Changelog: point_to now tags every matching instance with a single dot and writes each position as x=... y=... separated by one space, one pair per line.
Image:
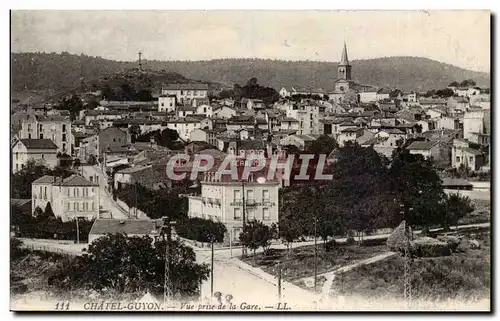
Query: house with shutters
x=70 y=198
x=42 y=151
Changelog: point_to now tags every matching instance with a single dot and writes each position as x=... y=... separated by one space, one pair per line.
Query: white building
x=221 y=200
x=185 y=93
x=42 y=151
x=184 y=126
x=166 y=103
x=70 y=198
x=55 y=128
x=473 y=123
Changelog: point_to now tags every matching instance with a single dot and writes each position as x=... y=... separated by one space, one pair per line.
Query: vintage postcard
x=255 y=161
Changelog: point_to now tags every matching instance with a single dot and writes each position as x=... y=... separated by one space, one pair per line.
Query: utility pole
x=212 y=269
x=243 y=248
x=167 y=285
x=135 y=193
x=279 y=281
x=77 y=232
x=315 y=255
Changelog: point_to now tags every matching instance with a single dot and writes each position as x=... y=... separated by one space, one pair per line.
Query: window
x=63 y=128
x=237 y=195
x=162 y=104
x=17 y=156
x=251 y=214
x=43 y=156
x=17 y=167
x=237 y=213
x=74 y=192
x=250 y=195
x=45 y=193
x=29 y=136
x=471 y=159
x=68 y=191
x=41 y=135
x=40 y=195
x=204 y=109
x=265 y=213
x=458 y=159
x=74 y=206
x=93 y=206
x=265 y=195
x=69 y=206
x=64 y=137
x=182 y=92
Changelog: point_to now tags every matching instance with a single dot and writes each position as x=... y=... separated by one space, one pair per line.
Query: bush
x=330 y=245
x=452 y=241
x=429 y=247
x=397 y=241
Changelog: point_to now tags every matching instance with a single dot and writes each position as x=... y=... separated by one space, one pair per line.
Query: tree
x=456 y=208
x=48 y=211
x=416 y=184
x=468 y=83
x=134 y=131
x=454 y=84
x=445 y=93
x=201 y=230
x=91 y=160
x=72 y=104
x=131 y=265
x=144 y=95
x=38 y=212
x=323 y=145
x=256 y=234
x=77 y=163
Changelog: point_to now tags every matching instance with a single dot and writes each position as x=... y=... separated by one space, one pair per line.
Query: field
x=481 y=213
x=460 y=276
x=299 y=263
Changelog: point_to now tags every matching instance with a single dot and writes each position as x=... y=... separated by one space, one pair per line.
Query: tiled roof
x=470 y=150
x=47 y=179
x=20 y=201
x=194 y=86
x=419 y=145
x=129 y=227
x=350 y=130
x=76 y=180
x=38 y=143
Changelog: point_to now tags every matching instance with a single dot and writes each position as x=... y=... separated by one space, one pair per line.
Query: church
x=345 y=89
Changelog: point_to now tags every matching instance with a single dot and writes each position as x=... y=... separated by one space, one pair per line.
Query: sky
x=460 y=38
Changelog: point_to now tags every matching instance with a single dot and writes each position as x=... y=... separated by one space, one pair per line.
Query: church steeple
x=344 y=68
x=344 y=60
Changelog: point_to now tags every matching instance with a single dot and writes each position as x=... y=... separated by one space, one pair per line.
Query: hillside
x=42 y=71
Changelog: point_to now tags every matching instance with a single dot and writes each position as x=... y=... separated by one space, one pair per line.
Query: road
x=245 y=286
x=106 y=202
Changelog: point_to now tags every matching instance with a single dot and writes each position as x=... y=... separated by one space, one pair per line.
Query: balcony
x=252 y=203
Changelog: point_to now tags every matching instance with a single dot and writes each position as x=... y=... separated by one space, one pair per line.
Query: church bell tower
x=344 y=67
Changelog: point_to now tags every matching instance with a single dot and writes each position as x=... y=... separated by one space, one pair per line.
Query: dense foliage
x=256 y=234
x=44 y=225
x=20 y=182
x=156 y=203
x=201 y=230
x=167 y=138
x=130 y=265
x=368 y=192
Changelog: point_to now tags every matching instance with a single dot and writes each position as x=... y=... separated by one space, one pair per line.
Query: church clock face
x=341 y=70
x=341 y=88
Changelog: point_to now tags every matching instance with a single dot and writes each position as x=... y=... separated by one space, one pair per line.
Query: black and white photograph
x=250 y=160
